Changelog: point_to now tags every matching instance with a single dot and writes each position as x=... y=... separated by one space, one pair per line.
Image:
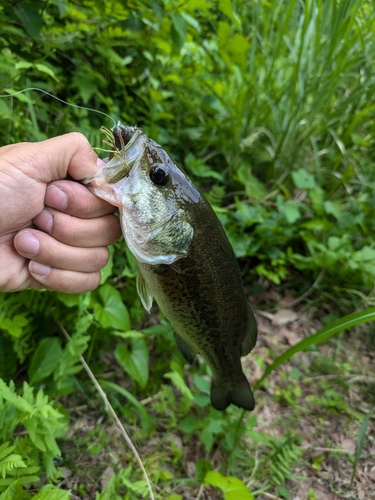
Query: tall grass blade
x=320 y=336
x=361 y=437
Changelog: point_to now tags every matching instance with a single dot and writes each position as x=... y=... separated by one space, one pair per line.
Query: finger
x=75 y=199
x=42 y=248
x=55 y=158
x=61 y=280
x=66 y=154
x=99 y=232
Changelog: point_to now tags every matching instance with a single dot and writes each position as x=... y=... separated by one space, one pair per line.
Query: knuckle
x=79 y=139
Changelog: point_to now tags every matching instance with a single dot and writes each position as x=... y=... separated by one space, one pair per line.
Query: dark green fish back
x=202 y=296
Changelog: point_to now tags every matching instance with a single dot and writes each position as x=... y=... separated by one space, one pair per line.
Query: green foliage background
x=269 y=106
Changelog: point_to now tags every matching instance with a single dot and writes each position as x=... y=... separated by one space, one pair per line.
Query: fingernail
x=100 y=163
x=56 y=198
x=44 y=221
x=39 y=269
x=26 y=242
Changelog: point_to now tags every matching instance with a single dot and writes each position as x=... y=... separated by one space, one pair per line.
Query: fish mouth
x=122 y=135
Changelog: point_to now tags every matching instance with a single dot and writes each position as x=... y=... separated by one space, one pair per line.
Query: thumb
x=66 y=154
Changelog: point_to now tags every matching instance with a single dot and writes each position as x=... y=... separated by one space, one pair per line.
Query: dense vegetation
x=269 y=107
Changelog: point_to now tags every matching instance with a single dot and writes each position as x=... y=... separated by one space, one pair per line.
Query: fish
x=184 y=259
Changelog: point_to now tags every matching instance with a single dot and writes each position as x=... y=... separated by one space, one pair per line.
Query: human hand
x=53 y=231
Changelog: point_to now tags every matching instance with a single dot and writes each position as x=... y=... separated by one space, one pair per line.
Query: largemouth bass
x=184 y=259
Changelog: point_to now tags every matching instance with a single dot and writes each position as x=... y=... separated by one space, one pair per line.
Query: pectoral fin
x=185 y=349
x=143 y=292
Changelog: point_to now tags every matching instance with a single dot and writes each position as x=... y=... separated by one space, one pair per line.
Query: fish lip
x=125 y=136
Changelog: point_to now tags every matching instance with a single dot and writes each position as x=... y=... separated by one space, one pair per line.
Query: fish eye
x=159 y=175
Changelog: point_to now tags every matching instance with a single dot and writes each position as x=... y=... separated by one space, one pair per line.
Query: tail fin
x=225 y=393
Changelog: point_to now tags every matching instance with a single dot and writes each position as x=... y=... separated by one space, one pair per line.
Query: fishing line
x=61 y=100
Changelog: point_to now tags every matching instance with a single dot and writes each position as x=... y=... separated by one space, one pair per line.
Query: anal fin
x=185 y=349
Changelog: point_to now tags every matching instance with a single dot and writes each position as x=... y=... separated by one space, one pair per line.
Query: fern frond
x=15 y=491
x=282 y=459
x=9 y=394
x=70 y=363
x=138 y=487
x=21 y=479
x=110 y=492
x=50 y=492
x=44 y=424
x=9 y=463
x=180 y=384
x=5 y=449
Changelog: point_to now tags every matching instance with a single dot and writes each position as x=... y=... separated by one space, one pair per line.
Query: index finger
x=75 y=199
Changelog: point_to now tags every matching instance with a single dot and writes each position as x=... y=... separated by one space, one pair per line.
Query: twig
x=265 y=314
x=308 y=292
x=255 y=468
x=200 y=492
x=148 y=400
x=269 y=495
x=351 y=378
x=330 y=450
x=112 y=412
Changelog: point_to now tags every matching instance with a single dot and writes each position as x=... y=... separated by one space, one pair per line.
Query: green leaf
x=303 y=179
x=226 y=8
x=237 y=49
x=333 y=208
x=130 y=334
x=134 y=360
x=232 y=487
x=61 y=6
x=28 y=14
x=45 y=359
x=189 y=424
x=70 y=299
x=145 y=418
x=223 y=32
x=207 y=438
x=23 y=65
x=106 y=272
x=254 y=188
x=289 y=209
x=111 y=311
x=178 y=32
x=200 y=168
x=202 y=466
x=320 y=336
x=47 y=70
x=14 y=326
